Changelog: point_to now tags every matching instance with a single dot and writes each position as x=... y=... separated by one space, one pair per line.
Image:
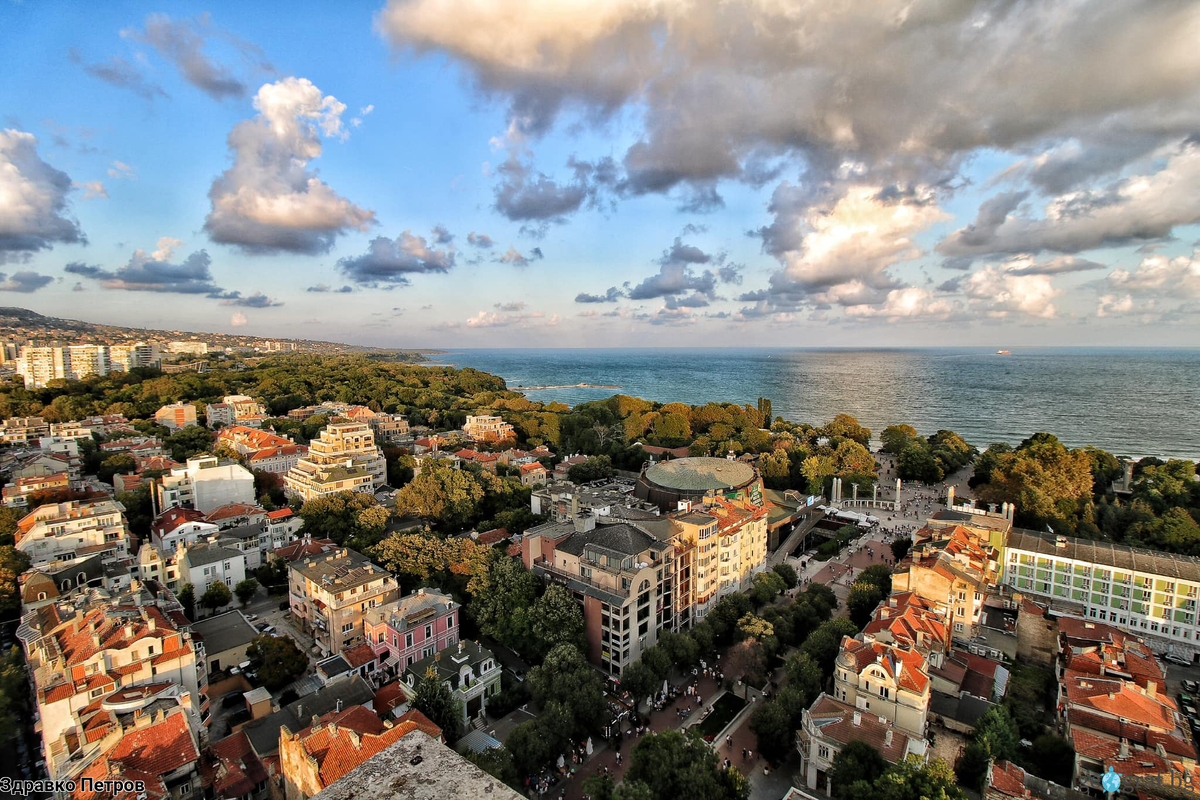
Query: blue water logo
x=1111 y=780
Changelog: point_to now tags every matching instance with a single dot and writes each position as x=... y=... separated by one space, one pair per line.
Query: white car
x=1180 y=660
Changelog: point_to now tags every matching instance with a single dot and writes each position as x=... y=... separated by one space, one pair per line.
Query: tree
x=804 y=675
x=900 y=548
x=9 y=517
x=676 y=765
x=847 y=427
x=864 y=597
x=746 y=660
x=879 y=575
x=1052 y=757
x=120 y=464
x=640 y=681
x=822 y=645
x=501 y=601
x=187 y=442
x=434 y=699
x=498 y=762
x=767 y=586
x=187 y=598
x=592 y=469
x=215 y=596
x=772 y=725
x=658 y=660
x=445 y=496
x=911 y=779
x=14 y=693
x=916 y=463
x=857 y=761
x=276 y=660
x=13 y=562
x=245 y=591
x=895 y=438
x=557 y=619
x=336 y=516
x=682 y=648
x=786 y=571
x=565 y=677
x=1050 y=484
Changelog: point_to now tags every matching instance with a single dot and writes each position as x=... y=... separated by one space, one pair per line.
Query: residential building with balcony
x=147 y=737
x=331 y=594
x=80 y=655
x=205 y=483
x=16 y=494
x=723 y=543
x=176 y=416
x=179 y=526
x=126 y=357
x=829 y=725
x=487 y=428
x=624 y=575
x=344 y=458
x=207 y=563
x=470 y=671
x=952 y=567
x=411 y=628
x=63 y=531
x=23 y=430
x=1149 y=592
x=885 y=680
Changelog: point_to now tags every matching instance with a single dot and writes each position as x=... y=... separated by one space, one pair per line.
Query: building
x=23 y=430
x=668 y=483
x=331 y=747
x=205 y=484
x=331 y=594
x=233 y=409
x=721 y=545
x=156 y=744
x=624 y=575
x=386 y=427
x=907 y=620
x=829 y=725
x=16 y=494
x=487 y=428
x=61 y=579
x=63 y=531
x=468 y=668
x=234 y=770
x=126 y=357
x=258 y=540
x=533 y=474
x=343 y=458
x=263 y=450
x=78 y=655
x=952 y=567
x=1152 y=593
x=417 y=767
x=192 y=348
x=176 y=416
x=304 y=548
x=411 y=628
x=565 y=501
x=40 y=365
x=206 y=563
x=884 y=680
x=178 y=526
x=225 y=638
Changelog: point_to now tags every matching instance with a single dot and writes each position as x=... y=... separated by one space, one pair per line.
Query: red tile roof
x=836 y=721
x=340 y=741
x=281 y=513
x=358 y=655
x=494 y=536
x=233 y=510
x=906 y=667
x=147 y=753
x=1009 y=779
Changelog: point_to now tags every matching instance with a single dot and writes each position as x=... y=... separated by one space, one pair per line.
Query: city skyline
x=434 y=174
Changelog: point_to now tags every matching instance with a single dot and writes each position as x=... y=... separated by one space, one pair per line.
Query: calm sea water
x=1127 y=401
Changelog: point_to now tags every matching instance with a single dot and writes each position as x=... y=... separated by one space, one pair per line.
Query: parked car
x=1191 y=686
x=251 y=617
x=1180 y=660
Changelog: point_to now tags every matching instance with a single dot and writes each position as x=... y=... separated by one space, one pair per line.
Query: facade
x=178 y=526
x=533 y=474
x=412 y=628
x=207 y=563
x=79 y=656
x=125 y=357
x=256 y=541
x=321 y=754
x=331 y=594
x=63 y=531
x=468 y=668
x=16 y=494
x=1151 y=593
x=234 y=409
x=205 y=484
x=487 y=428
x=884 y=680
x=40 y=365
x=954 y=568
x=723 y=543
x=263 y=450
x=23 y=430
x=344 y=458
x=829 y=725
x=176 y=416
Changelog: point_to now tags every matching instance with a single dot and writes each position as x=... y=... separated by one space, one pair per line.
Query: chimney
x=1152 y=689
x=339 y=705
x=887 y=738
x=857 y=719
x=460 y=645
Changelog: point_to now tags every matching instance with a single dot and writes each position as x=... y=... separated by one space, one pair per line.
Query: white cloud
x=1111 y=305
x=238 y=319
x=912 y=302
x=119 y=170
x=92 y=190
x=1002 y=294
x=33 y=200
x=1159 y=276
x=269 y=201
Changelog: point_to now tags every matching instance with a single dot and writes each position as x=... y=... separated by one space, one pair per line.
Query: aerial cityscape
x=641 y=400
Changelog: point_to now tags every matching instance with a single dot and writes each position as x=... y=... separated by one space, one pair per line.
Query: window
x=408 y=640
x=823 y=753
x=429 y=631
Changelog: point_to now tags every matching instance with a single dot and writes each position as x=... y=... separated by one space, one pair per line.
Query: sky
x=561 y=173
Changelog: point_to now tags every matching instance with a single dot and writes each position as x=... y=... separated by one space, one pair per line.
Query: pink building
x=411 y=628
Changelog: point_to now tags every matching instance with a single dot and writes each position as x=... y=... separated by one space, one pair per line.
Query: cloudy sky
x=634 y=172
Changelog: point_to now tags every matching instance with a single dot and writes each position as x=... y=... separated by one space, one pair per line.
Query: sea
x=1129 y=401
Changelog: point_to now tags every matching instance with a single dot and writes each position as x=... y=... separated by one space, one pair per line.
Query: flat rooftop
x=700 y=474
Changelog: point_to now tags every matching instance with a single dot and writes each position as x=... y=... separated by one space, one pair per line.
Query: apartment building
x=193 y=348
x=126 y=357
x=178 y=526
x=908 y=620
x=144 y=731
x=234 y=409
x=176 y=416
x=80 y=656
x=889 y=681
x=487 y=428
x=40 y=365
x=331 y=594
x=565 y=501
x=205 y=483
x=624 y=575
x=829 y=725
x=16 y=494
x=953 y=567
x=468 y=669
x=63 y=531
x=533 y=474
x=263 y=450
x=257 y=540
x=411 y=628
x=386 y=427
x=344 y=458
x=23 y=430
x=723 y=543
x=205 y=563
x=1149 y=592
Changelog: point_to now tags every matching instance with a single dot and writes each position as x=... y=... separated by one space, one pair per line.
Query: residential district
x=227 y=652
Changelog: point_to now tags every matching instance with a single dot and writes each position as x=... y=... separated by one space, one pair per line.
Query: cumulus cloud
x=611 y=296
x=1003 y=294
x=514 y=257
x=441 y=235
x=389 y=262
x=909 y=303
x=1159 y=276
x=33 y=200
x=1111 y=305
x=269 y=200
x=256 y=300
x=322 y=288
x=24 y=282
x=119 y=72
x=238 y=319
x=1060 y=265
x=480 y=240
x=184 y=42
x=157 y=272
x=505 y=318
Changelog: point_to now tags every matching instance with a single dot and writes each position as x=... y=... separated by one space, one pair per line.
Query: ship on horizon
x=1004 y=352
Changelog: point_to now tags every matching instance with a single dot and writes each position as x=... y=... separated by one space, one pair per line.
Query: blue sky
x=732 y=174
